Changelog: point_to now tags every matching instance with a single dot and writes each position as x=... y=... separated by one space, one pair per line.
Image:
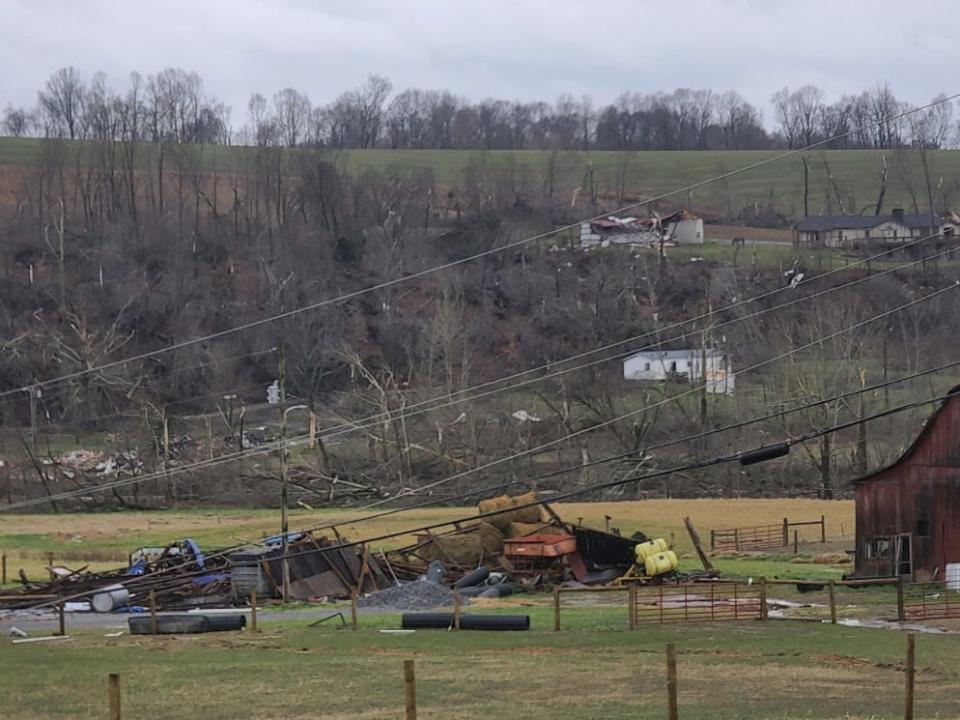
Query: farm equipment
x=532 y=555
x=655 y=562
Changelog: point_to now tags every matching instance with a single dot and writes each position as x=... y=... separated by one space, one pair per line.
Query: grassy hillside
x=627 y=175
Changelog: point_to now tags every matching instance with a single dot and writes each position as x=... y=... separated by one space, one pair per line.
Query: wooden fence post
x=796 y=541
x=556 y=609
x=763 y=599
x=353 y=611
x=736 y=540
x=713 y=539
x=253 y=611
x=53 y=575
x=153 y=613
x=786 y=532
x=113 y=695
x=823 y=528
x=901 y=610
x=410 y=690
x=671 y=682
x=632 y=603
x=61 y=619
x=833 y=603
x=456 y=609
x=911 y=673
x=3 y=578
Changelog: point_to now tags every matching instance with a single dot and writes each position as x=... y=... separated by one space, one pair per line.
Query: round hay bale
x=505 y=502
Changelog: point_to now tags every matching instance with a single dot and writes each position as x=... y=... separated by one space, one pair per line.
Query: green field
x=594 y=668
x=618 y=176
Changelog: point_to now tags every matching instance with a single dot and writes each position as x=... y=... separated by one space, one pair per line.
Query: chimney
x=898 y=215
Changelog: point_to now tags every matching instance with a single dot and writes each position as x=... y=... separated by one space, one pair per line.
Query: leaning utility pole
x=284 y=521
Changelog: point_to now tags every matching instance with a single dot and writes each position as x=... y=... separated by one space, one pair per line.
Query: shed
x=908 y=513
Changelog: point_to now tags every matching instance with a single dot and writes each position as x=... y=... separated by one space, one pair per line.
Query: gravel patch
x=416 y=595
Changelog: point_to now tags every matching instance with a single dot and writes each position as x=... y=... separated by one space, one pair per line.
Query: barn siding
x=918 y=496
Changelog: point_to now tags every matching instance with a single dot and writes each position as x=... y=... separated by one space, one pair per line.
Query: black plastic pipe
x=474 y=578
x=444 y=621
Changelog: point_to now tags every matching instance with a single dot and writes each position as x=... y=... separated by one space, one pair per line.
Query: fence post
x=410 y=690
x=713 y=540
x=353 y=611
x=632 y=603
x=61 y=619
x=763 y=598
x=823 y=528
x=671 y=682
x=113 y=695
x=3 y=579
x=786 y=532
x=833 y=603
x=911 y=673
x=556 y=609
x=456 y=609
x=153 y=613
x=796 y=541
x=53 y=575
x=736 y=540
x=253 y=611
x=901 y=610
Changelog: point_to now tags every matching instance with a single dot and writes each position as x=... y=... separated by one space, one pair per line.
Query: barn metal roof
x=953 y=395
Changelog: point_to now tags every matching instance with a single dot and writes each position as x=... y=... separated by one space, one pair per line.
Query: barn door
x=902 y=555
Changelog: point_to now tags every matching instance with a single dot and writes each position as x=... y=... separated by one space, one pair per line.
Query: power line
x=632 y=413
x=622 y=456
x=455 y=263
x=530 y=451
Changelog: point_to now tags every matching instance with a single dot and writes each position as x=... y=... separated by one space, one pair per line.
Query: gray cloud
x=501 y=48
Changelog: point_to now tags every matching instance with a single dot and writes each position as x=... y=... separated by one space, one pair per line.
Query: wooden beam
x=695 y=538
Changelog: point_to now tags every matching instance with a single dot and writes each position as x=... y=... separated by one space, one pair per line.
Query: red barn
x=908 y=514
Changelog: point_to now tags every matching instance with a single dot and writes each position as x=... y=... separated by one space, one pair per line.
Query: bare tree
x=61 y=103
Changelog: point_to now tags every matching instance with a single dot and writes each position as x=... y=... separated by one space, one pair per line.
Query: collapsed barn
x=512 y=544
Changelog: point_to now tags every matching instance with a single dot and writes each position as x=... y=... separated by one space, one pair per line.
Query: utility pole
x=34 y=392
x=284 y=520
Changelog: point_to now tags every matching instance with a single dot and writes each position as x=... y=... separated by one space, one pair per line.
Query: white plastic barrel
x=110 y=598
x=953 y=576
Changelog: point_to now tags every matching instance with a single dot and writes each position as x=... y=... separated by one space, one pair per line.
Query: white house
x=660 y=365
x=849 y=231
x=681 y=228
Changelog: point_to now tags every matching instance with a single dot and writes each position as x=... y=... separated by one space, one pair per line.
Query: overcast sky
x=509 y=49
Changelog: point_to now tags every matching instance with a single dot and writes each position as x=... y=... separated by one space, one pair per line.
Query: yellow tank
x=650 y=547
x=661 y=563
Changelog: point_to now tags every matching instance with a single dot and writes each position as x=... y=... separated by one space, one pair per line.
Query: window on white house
x=646 y=366
x=673 y=366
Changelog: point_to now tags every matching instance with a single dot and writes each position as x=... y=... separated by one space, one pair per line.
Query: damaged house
x=679 y=228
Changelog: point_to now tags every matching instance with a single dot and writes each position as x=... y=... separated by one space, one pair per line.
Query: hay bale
x=467 y=547
x=504 y=502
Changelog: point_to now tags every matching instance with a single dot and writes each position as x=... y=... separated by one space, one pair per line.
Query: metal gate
x=698 y=602
x=928 y=601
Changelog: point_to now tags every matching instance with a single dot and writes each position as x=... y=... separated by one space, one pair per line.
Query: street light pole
x=284 y=519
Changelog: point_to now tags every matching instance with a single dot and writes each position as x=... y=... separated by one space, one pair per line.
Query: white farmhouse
x=660 y=365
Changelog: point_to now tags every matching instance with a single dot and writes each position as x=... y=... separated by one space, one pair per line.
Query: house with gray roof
x=855 y=231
